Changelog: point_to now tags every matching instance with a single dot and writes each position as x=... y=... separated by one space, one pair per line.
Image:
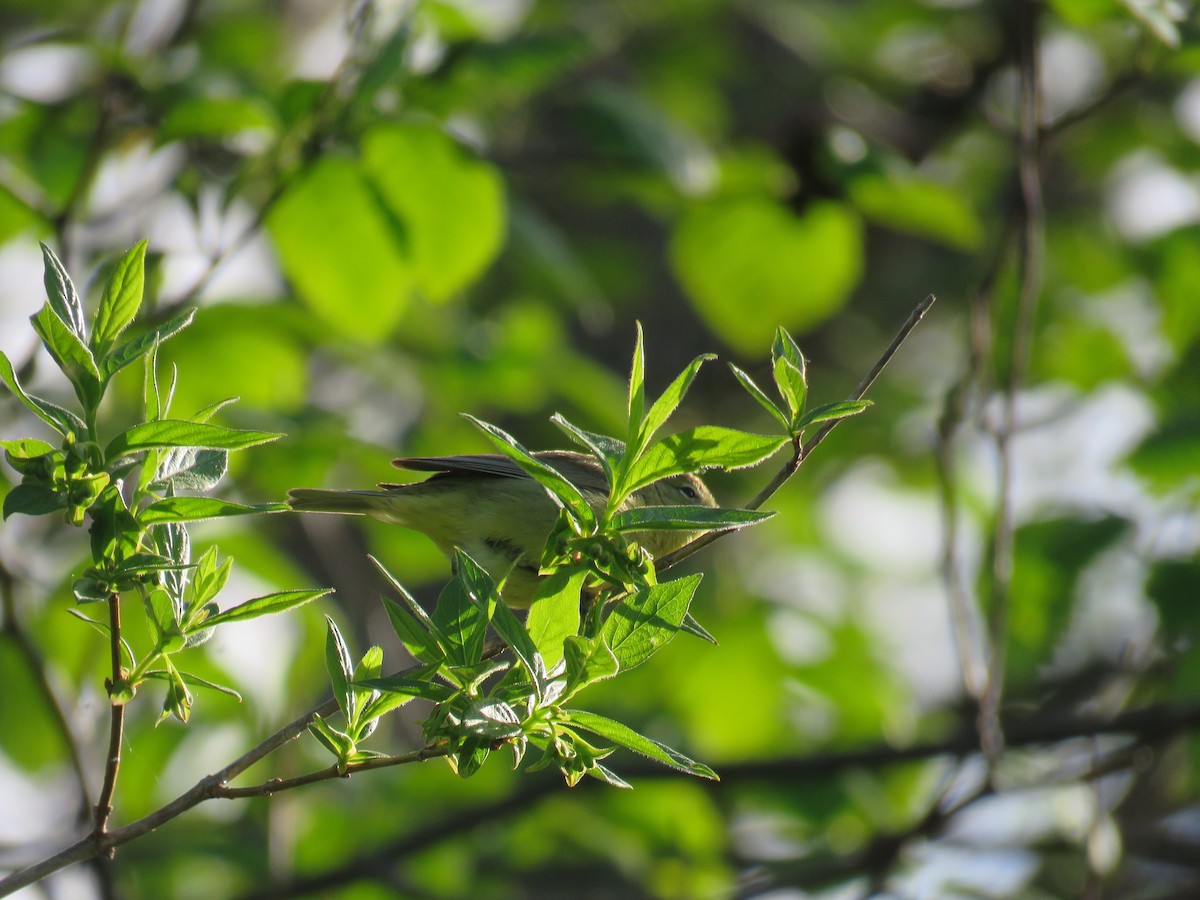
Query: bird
x=492 y=509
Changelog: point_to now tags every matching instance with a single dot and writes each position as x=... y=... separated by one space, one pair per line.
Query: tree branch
x=1029 y=249
x=116 y=730
x=1148 y=725
x=802 y=450
x=208 y=788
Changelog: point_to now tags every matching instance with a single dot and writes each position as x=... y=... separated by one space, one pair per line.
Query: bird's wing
x=576 y=468
x=480 y=464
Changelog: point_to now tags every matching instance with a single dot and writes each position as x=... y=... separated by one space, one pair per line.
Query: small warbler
x=489 y=507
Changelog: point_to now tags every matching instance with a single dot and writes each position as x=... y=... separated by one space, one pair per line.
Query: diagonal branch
x=208 y=788
x=802 y=450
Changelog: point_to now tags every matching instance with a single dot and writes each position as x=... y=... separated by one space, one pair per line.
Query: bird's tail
x=360 y=503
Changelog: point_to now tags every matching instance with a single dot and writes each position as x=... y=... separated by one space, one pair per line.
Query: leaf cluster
x=599 y=609
x=135 y=489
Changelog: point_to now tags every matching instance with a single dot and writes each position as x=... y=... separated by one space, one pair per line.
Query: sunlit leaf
x=750 y=265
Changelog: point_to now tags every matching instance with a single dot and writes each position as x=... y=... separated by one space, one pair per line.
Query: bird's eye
x=688 y=491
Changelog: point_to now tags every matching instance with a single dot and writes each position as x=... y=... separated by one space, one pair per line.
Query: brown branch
x=971 y=386
x=1148 y=725
x=208 y=788
x=279 y=785
x=116 y=731
x=1029 y=248
x=801 y=451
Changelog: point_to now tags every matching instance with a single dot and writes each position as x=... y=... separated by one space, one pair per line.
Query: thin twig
x=962 y=600
x=1029 y=263
x=279 y=785
x=116 y=731
x=801 y=451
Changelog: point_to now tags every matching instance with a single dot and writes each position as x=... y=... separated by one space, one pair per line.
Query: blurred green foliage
x=391 y=213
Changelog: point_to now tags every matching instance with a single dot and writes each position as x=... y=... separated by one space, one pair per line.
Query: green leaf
x=196 y=681
x=668 y=402
x=191 y=469
x=416 y=638
x=64 y=300
x=336 y=742
x=413 y=626
x=492 y=719
x=369 y=666
x=790 y=371
x=750 y=264
x=758 y=394
x=607 y=450
x=61 y=420
x=122 y=299
x=192 y=509
x=691 y=626
x=216 y=118
x=71 y=354
x=342 y=251
x=137 y=347
x=608 y=776
x=163 y=618
x=554 y=614
x=588 y=660
x=384 y=702
x=646 y=621
x=918 y=206
x=178 y=702
x=268 y=604
x=461 y=622
x=702 y=447
x=630 y=739
x=561 y=491
x=114 y=533
x=471 y=756
x=33 y=499
x=210 y=576
x=413 y=688
x=26 y=448
x=832 y=411
x=450 y=203
x=510 y=629
x=637 y=387
x=178 y=433
x=341 y=671
x=686 y=518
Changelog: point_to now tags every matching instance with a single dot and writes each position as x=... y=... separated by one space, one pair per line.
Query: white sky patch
x=259 y=651
x=875 y=521
x=1147 y=198
x=321 y=47
x=132 y=174
x=1072 y=73
x=192 y=238
x=46 y=73
x=1187 y=109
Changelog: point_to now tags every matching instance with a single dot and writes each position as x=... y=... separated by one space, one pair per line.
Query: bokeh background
x=389 y=213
